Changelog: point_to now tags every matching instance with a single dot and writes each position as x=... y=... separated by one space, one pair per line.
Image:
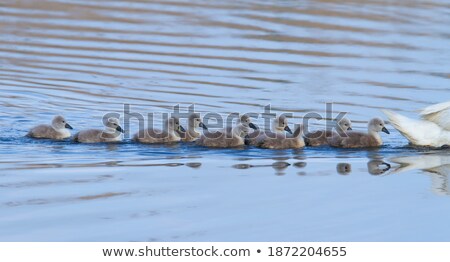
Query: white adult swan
x=432 y=130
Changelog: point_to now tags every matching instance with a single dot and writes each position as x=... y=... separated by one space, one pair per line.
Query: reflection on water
x=278 y=166
x=86 y=58
x=194 y=165
x=374 y=167
x=300 y=164
x=344 y=168
x=437 y=166
x=377 y=167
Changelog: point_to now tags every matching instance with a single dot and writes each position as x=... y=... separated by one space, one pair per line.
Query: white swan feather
x=439 y=114
x=420 y=132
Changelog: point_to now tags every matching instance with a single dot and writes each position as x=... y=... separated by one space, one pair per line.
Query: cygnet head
x=281 y=124
x=377 y=125
x=60 y=122
x=247 y=122
x=345 y=124
x=174 y=124
x=196 y=122
x=241 y=130
x=112 y=125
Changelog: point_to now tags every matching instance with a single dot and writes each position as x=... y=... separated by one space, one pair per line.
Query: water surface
x=87 y=58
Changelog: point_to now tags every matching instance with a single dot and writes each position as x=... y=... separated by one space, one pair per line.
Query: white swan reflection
x=437 y=166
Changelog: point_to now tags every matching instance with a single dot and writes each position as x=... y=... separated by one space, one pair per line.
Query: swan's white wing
x=435 y=108
x=439 y=114
x=419 y=132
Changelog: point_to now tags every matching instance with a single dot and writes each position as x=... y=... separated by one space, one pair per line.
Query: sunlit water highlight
x=89 y=58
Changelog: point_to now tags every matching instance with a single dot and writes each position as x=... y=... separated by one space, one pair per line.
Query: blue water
x=89 y=58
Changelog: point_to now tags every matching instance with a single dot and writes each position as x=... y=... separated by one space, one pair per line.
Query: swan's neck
x=277 y=129
x=341 y=131
x=110 y=130
x=237 y=131
x=62 y=131
x=376 y=136
x=57 y=129
x=115 y=135
x=192 y=132
x=171 y=130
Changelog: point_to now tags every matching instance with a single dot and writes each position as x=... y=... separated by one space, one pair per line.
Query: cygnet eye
x=115 y=124
x=64 y=122
x=177 y=123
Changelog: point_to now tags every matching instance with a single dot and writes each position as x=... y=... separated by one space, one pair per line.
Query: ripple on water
x=87 y=58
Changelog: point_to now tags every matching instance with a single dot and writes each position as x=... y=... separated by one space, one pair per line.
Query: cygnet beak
x=287 y=129
x=203 y=126
x=253 y=126
x=385 y=130
x=68 y=126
